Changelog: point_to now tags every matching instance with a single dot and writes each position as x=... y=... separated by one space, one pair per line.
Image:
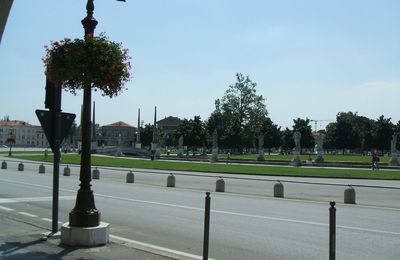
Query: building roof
x=119 y=124
x=14 y=123
x=171 y=120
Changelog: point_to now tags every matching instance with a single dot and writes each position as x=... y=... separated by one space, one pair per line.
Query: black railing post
x=332 y=231
x=206 y=226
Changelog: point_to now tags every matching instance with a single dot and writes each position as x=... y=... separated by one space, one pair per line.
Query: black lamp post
x=85 y=214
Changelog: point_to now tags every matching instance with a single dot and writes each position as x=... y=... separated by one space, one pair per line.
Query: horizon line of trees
x=241 y=116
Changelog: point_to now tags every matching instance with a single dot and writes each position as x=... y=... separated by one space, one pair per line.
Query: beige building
x=117 y=134
x=25 y=134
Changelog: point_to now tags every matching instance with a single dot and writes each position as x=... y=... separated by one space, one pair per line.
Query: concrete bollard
x=130 y=177
x=171 y=180
x=20 y=167
x=278 y=190
x=350 y=195
x=96 y=174
x=220 y=185
x=4 y=165
x=67 y=171
x=42 y=169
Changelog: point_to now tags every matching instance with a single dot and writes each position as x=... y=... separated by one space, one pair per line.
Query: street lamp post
x=85 y=214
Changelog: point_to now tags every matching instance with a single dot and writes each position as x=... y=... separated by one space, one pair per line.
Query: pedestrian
x=375 y=162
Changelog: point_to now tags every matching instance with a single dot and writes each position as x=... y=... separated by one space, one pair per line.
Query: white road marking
x=252 y=216
x=27 y=214
x=153 y=248
x=224 y=212
x=46 y=219
x=34 y=199
x=6 y=209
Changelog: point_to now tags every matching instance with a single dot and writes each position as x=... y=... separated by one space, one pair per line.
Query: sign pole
x=55 y=125
x=56 y=122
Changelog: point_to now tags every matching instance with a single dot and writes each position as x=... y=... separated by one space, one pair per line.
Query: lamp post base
x=85 y=236
x=85 y=213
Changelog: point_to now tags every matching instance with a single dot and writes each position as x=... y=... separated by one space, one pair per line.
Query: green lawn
x=225 y=168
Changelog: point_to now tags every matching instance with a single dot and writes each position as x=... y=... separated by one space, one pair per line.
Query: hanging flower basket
x=75 y=64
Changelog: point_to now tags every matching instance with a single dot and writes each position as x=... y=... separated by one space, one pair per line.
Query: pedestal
x=261 y=155
x=393 y=160
x=214 y=156
x=319 y=159
x=85 y=236
x=296 y=159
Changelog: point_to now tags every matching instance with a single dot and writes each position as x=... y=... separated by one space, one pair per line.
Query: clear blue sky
x=309 y=58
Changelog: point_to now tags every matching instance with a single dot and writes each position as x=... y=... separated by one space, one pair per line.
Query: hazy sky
x=309 y=58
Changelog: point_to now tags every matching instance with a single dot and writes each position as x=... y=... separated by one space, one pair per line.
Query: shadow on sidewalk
x=36 y=249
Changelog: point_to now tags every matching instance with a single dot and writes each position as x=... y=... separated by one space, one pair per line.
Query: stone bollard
x=278 y=190
x=220 y=185
x=42 y=169
x=171 y=180
x=96 y=174
x=4 y=165
x=20 y=167
x=350 y=195
x=67 y=171
x=130 y=177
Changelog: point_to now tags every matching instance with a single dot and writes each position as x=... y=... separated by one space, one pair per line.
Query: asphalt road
x=246 y=221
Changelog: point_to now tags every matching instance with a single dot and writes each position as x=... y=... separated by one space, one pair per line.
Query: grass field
x=225 y=168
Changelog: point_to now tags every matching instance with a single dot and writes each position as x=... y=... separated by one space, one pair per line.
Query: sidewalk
x=21 y=240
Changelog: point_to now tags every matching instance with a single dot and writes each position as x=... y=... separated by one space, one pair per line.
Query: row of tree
x=240 y=116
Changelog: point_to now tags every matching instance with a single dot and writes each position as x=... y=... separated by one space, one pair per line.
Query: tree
x=396 y=130
x=382 y=133
x=287 y=142
x=272 y=134
x=193 y=132
x=239 y=115
x=305 y=129
x=146 y=135
x=343 y=134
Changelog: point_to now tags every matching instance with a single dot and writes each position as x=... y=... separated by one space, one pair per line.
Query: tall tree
x=241 y=114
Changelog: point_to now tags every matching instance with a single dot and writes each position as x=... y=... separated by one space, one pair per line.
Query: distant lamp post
x=10 y=140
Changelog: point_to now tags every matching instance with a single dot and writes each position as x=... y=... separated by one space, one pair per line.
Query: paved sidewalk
x=21 y=240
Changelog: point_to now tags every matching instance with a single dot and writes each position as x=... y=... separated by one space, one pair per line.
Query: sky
x=310 y=59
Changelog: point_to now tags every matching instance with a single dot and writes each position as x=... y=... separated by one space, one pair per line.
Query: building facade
x=169 y=124
x=25 y=134
x=117 y=134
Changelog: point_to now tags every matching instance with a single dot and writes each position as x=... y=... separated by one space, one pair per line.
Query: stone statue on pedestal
x=393 y=151
x=214 y=156
x=319 y=141
x=261 y=154
x=180 y=146
x=297 y=149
